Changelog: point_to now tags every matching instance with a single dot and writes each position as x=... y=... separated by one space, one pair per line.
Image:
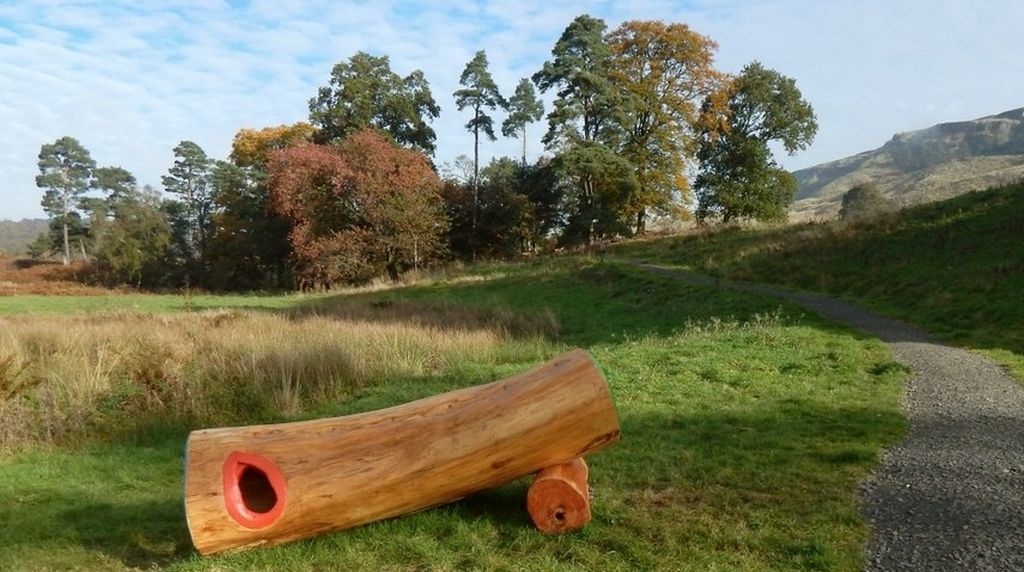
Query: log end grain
x=559 y=498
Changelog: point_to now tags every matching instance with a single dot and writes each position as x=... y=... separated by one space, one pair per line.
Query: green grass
x=746 y=429
x=63 y=305
x=955 y=267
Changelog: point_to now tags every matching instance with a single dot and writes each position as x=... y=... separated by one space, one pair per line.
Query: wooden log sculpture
x=559 y=498
x=268 y=484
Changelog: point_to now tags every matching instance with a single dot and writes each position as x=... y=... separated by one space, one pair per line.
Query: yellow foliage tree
x=666 y=71
x=251 y=147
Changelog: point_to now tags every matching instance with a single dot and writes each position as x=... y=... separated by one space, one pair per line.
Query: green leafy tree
x=479 y=93
x=364 y=92
x=545 y=189
x=739 y=177
x=611 y=180
x=523 y=109
x=588 y=106
x=864 y=201
x=520 y=206
x=586 y=125
x=174 y=212
x=665 y=72
x=65 y=170
x=116 y=183
x=505 y=213
x=41 y=246
x=767 y=106
x=189 y=178
x=135 y=246
x=249 y=247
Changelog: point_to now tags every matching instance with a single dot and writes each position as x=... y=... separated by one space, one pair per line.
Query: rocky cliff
x=932 y=164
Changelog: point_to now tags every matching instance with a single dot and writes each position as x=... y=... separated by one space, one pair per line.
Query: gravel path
x=950 y=496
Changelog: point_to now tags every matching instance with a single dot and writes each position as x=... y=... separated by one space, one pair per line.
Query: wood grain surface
x=347 y=471
x=559 y=498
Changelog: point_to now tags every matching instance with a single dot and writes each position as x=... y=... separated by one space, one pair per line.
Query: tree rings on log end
x=558 y=499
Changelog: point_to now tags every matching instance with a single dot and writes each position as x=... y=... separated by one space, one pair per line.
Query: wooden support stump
x=559 y=498
x=269 y=484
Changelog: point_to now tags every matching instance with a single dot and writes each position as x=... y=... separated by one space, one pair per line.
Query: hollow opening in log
x=559 y=515
x=257 y=492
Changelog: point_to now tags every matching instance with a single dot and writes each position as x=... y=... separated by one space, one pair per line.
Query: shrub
x=864 y=201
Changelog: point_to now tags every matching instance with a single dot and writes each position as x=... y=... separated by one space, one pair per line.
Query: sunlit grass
x=955 y=267
x=747 y=425
x=94 y=373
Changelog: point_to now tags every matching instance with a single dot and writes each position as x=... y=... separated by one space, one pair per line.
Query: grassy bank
x=954 y=267
x=746 y=425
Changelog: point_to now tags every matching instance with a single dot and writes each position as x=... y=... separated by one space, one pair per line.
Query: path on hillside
x=950 y=495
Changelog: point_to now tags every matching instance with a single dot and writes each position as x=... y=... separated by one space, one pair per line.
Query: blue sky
x=131 y=79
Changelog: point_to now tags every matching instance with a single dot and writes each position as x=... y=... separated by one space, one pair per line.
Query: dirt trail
x=950 y=495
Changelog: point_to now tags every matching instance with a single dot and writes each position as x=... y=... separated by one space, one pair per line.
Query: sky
x=131 y=79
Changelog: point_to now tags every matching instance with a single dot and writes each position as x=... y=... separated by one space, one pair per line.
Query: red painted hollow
x=255 y=494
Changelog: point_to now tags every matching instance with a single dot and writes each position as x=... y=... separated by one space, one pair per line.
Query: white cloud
x=130 y=80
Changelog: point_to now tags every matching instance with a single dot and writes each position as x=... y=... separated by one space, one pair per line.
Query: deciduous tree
x=739 y=177
x=249 y=247
x=358 y=209
x=665 y=71
x=65 y=171
x=364 y=92
x=136 y=244
x=251 y=147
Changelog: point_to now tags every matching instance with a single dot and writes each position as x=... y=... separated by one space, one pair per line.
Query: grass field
x=955 y=267
x=746 y=424
x=37 y=304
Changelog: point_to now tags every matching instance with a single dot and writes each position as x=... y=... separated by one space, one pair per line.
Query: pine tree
x=65 y=170
x=480 y=94
x=523 y=108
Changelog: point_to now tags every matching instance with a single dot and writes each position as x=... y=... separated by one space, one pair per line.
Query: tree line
x=642 y=125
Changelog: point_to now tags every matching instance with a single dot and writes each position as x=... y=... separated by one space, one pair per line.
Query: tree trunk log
x=268 y=484
x=559 y=498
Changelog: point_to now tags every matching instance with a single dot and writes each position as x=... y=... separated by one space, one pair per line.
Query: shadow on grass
x=772 y=455
x=582 y=306
x=790 y=460
x=140 y=535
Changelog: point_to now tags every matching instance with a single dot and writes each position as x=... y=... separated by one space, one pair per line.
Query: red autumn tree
x=358 y=209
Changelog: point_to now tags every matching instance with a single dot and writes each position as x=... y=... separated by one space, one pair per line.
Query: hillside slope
x=932 y=164
x=955 y=267
x=16 y=234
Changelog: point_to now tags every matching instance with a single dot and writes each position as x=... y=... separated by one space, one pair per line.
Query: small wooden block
x=559 y=498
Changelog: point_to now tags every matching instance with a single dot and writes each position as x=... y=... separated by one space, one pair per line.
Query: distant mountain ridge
x=932 y=164
x=15 y=235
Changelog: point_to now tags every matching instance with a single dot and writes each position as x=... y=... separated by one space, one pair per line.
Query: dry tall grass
x=71 y=376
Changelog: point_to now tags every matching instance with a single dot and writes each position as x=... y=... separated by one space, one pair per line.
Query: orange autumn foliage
x=358 y=209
